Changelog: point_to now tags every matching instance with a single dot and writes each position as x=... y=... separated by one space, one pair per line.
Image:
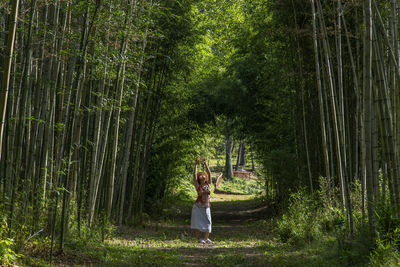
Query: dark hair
x=201 y=173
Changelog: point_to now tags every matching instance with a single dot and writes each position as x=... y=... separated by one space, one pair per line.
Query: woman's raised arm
x=196 y=184
x=207 y=170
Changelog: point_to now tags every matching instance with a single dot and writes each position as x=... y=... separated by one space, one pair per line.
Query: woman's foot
x=208 y=241
x=201 y=241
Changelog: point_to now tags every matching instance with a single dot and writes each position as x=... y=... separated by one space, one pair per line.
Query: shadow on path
x=217 y=191
x=241 y=233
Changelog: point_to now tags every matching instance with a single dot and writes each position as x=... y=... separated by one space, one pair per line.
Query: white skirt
x=201 y=218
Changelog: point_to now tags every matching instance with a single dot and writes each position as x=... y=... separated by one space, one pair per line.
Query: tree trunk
x=5 y=81
x=367 y=95
x=239 y=154
x=228 y=158
x=320 y=98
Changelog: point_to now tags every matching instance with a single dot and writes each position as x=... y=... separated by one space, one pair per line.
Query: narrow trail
x=243 y=233
x=236 y=234
x=239 y=232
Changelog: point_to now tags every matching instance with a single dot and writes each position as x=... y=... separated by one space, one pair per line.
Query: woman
x=201 y=215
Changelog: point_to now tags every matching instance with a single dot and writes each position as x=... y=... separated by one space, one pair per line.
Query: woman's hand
x=197 y=160
x=204 y=160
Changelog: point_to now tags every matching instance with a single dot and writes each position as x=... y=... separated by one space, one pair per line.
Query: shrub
x=385 y=254
x=7 y=255
x=299 y=224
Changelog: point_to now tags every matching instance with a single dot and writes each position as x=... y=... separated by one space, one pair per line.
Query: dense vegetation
x=104 y=104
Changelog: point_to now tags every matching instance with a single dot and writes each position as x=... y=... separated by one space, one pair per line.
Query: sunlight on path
x=240 y=238
x=243 y=235
x=232 y=197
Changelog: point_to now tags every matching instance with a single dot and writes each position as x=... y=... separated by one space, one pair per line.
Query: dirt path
x=242 y=231
x=240 y=234
x=236 y=233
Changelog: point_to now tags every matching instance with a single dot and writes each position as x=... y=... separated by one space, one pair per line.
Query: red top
x=203 y=195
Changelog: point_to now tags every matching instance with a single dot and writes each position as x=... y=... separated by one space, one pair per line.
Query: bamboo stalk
x=5 y=81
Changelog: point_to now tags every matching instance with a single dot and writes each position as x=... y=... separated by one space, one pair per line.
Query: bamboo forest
x=122 y=120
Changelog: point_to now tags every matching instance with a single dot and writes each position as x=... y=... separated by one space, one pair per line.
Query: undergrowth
x=185 y=191
x=242 y=186
x=311 y=232
x=308 y=219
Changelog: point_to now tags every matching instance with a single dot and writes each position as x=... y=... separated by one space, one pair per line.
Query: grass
x=242 y=186
x=236 y=187
x=244 y=234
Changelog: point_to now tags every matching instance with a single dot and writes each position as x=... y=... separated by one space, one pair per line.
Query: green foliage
x=386 y=250
x=331 y=215
x=385 y=254
x=242 y=186
x=100 y=230
x=299 y=223
x=166 y=242
x=223 y=260
x=7 y=255
x=184 y=191
x=307 y=220
x=387 y=222
x=240 y=76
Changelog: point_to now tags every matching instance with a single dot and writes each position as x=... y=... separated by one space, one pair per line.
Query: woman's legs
x=197 y=233
x=206 y=234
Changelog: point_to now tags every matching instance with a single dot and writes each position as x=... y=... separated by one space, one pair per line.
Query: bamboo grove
x=319 y=83
x=357 y=62
x=102 y=101
x=338 y=94
x=83 y=97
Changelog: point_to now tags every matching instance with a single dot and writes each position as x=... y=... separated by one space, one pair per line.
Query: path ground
x=243 y=235
x=240 y=233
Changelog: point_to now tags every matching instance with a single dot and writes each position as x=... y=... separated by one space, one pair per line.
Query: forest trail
x=239 y=234
x=243 y=231
x=236 y=234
